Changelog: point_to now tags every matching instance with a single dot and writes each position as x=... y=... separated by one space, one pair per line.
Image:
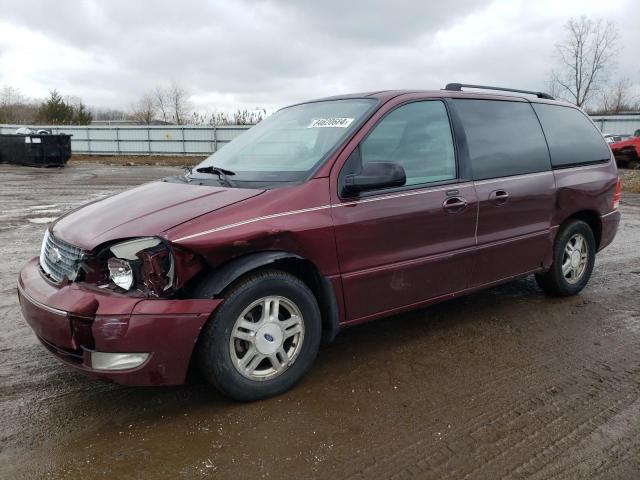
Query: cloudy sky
x=271 y=53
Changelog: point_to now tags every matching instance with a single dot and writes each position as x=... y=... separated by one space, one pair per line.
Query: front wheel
x=573 y=259
x=263 y=338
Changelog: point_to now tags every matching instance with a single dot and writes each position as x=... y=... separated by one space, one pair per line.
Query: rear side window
x=572 y=138
x=504 y=138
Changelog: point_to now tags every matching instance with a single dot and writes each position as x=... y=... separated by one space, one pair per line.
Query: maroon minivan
x=326 y=214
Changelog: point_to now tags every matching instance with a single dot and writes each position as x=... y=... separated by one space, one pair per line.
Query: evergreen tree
x=55 y=111
x=81 y=116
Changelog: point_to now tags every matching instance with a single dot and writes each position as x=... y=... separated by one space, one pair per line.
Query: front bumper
x=73 y=322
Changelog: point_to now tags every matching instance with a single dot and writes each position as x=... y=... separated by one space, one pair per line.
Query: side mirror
x=375 y=176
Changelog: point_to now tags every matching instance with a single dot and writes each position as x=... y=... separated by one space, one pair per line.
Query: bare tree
x=10 y=96
x=178 y=103
x=106 y=114
x=172 y=104
x=144 y=110
x=617 y=98
x=585 y=57
x=15 y=107
x=11 y=101
x=162 y=103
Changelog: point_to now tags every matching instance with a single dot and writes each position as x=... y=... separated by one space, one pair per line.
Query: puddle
x=52 y=210
x=42 y=219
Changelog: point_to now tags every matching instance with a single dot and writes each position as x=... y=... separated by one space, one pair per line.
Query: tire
x=555 y=282
x=225 y=340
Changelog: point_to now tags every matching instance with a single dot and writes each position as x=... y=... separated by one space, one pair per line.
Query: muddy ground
x=504 y=383
x=134 y=160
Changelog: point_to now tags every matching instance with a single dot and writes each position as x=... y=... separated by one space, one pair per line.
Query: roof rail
x=457 y=87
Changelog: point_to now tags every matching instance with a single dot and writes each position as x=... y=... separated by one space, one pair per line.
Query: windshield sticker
x=330 y=122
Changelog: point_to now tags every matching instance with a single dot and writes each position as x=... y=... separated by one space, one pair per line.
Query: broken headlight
x=146 y=264
x=120 y=273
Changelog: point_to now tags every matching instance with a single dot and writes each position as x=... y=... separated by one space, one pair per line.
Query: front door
x=404 y=246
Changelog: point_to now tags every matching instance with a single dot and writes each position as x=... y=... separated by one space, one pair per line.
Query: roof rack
x=457 y=87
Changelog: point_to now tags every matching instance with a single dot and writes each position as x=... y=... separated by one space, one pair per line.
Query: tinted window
x=571 y=136
x=418 y=137
x=504 y=138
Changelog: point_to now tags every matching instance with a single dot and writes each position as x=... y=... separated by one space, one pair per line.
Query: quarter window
x=418 y=137
x=571 y=136
x=504 y=138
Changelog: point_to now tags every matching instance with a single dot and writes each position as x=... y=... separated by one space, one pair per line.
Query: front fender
x=214 y=283
x=220 y=278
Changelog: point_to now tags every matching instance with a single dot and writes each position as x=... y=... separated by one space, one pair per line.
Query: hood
x=147 y=210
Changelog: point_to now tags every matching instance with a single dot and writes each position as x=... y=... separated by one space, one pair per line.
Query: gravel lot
x=502 y=383
x=129 y=160
x=630 y=180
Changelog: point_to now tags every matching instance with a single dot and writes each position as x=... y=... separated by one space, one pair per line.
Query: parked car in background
x=326 y=214
x=627 y=152
x=612 y=137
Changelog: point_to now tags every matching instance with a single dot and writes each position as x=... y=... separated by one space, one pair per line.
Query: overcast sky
x=271 y=53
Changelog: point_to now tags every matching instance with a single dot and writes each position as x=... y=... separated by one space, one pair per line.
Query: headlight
x=120 y=272
x=147 y=266
x=143 y=263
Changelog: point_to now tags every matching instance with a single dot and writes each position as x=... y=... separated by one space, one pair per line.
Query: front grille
x=59 y=259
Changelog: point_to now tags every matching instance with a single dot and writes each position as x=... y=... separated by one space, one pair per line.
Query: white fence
x=196 y=140
x=622 y=124
x=143 y=140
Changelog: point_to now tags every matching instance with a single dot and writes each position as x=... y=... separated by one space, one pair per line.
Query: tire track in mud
x=614 y=436
x=610 y=399
x=588 y=383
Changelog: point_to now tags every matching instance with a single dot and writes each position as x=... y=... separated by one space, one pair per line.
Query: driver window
x=418 y=137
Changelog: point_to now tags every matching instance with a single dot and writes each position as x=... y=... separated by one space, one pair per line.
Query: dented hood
x=147 y=210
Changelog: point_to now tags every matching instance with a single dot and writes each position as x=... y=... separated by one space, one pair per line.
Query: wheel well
x=592 y=219
x=318 y=284
x=213 y=283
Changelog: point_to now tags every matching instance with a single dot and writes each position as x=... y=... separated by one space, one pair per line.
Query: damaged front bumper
x=126 y=340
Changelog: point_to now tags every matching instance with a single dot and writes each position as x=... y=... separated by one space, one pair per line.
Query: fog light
x=120 y=272
x=117 y=361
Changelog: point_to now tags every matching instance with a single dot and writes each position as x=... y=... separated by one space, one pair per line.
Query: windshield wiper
x=222 y=173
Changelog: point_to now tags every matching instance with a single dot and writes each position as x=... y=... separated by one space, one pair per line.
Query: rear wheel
x=573 y=260
x=263 y=338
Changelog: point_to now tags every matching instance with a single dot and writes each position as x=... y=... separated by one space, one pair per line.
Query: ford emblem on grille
x=54 y=255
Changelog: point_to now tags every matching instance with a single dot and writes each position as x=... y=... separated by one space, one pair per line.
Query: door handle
x=499 y=197
x=454 y=204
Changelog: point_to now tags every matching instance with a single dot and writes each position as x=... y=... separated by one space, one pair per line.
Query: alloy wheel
x=266 y=338
x=575 y=258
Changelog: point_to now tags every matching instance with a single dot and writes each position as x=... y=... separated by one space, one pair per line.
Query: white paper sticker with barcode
x=330 y=122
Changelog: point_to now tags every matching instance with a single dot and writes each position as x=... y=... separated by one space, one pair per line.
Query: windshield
x=286 y=146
